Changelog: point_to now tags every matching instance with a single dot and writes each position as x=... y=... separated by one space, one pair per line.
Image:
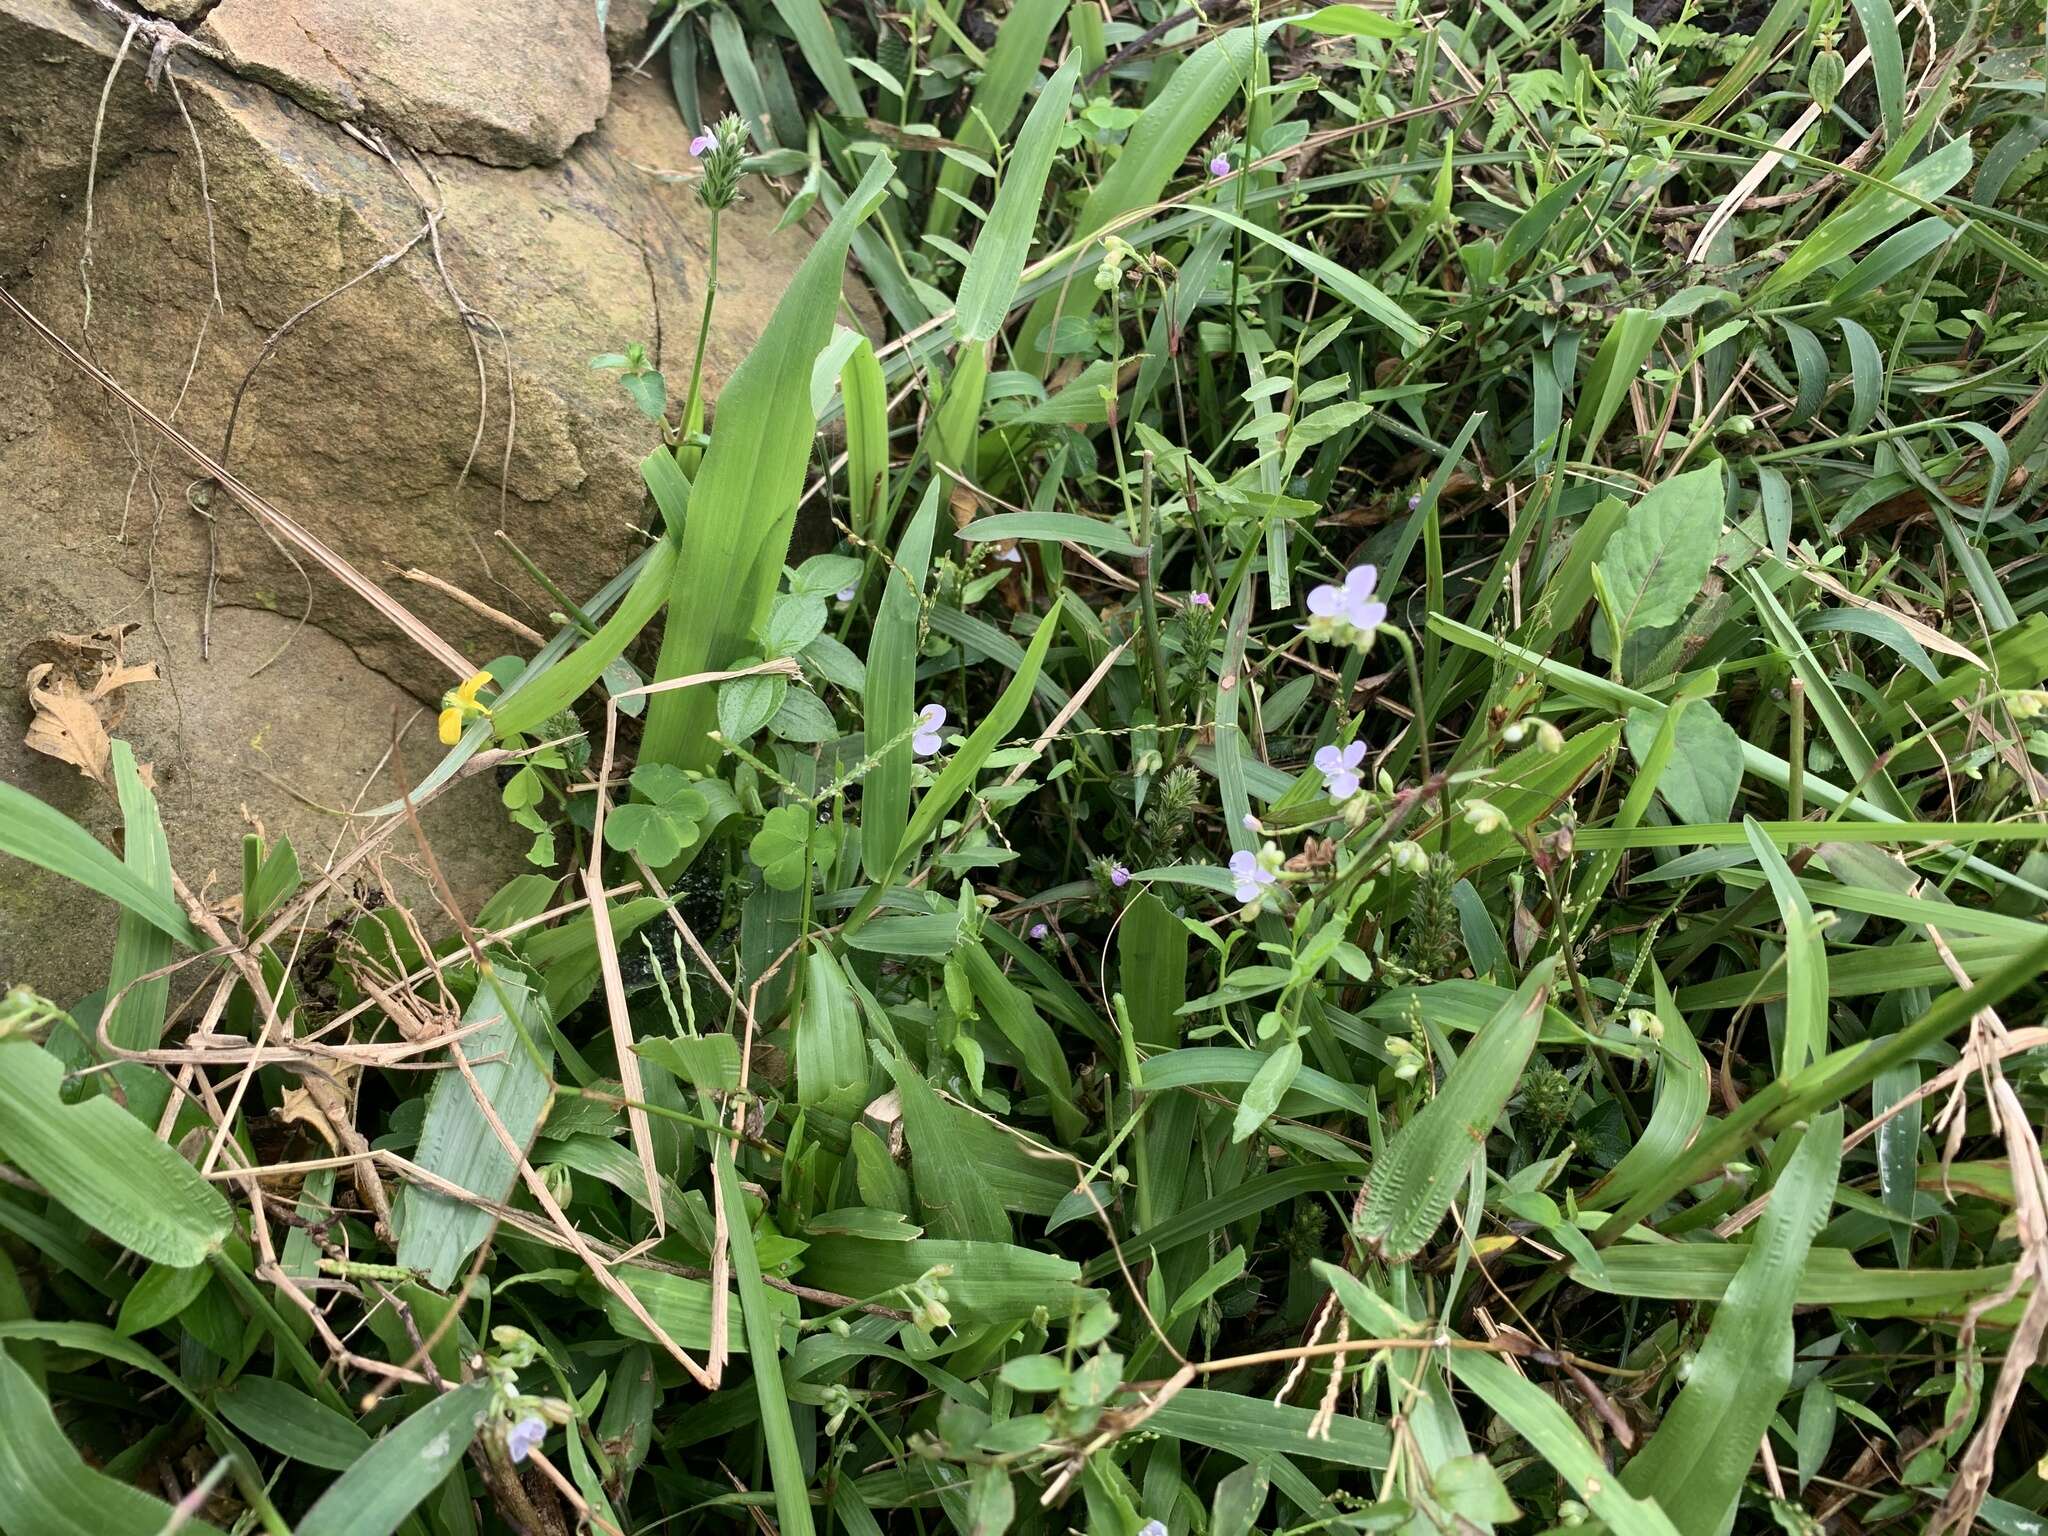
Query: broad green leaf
x=1657 y=560
x=764 y=1341
x=1196 y=90
x=809 y=24
x=1067 y=527
x=1704 y=773
x=1012 y=70
x=385 y=1485
x=1806 y=962
x=159 y=1296
x=1616 y=368
x=563 y=683
x=140 y=947
x=1011 y=1011
x=286 y=1420
x=1152 y=970
x=958 y=774
x=46 y=1489
x=1352 y=21
x=46 y=837
x=743 y=501
x=890 y=705
x=1262 y=1095
x=681 y=1305
x=828 y=1042
x=1695 y=1464
x=511 y=1056
x=1869 y=213
x=1680 y=1110
x=1256 y=1426
x=997 y=263
x=956 y=1200
x=990 y=1282
x=1341 y=280
x=1526 y=1407
x=1830 y=1277
x=1414 y=1182
x=103 y=1166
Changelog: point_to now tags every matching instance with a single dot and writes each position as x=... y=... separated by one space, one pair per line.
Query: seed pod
x=1824 y=78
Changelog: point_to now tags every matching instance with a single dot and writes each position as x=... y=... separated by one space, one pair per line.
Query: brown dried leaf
x=76 y=699
x=67 y=727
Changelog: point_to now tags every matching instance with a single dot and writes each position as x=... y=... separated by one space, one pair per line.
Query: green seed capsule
x=1824 y=78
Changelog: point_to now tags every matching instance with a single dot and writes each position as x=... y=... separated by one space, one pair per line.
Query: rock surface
x=509 y=82
x=359 y=424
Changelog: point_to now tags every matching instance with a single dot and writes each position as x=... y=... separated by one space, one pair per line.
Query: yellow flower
x=459 y=704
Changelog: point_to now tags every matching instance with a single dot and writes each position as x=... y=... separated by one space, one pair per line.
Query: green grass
x=1105 y=1105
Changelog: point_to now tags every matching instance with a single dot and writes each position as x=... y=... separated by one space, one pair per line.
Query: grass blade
x=512 y=1055
x=372 y=1497
x=1414 y=1183
x=746 y=492
x=764 y=1343
x=1695 y=1464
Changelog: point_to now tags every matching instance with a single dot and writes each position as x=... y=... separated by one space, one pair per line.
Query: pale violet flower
x=1252 y=823
x=524 y=1438
x=1011 y=556
x=1039 y=931
x=1414 y=503
x=1348 y=613
x=1201 y=600
x=930 y=720
x=1339 y=767
x=1119 y=876
x=1253 y=873
x=702 y=145
x=1153 y=1528
x=1220 y=166
x=845 y=593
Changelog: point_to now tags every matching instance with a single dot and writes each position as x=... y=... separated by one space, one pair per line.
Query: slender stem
x=1795 y=757
x=693 y=409
x=1148 y=592
x=570 y=608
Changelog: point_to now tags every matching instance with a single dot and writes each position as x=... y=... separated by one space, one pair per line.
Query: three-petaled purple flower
x=1250 y=875
x=703 y=144
x=930 y=720
x=1347 y=613
x=1119 y=876
x=1415 y=502
x=1220 y=166
x=1039 y=931
x=1339 y=767
x=1201 y=600
x=524 y=1438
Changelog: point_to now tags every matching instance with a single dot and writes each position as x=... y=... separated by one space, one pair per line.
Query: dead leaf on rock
x=76 y=699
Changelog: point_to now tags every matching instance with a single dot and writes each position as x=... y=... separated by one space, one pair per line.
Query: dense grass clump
x=1389 y=879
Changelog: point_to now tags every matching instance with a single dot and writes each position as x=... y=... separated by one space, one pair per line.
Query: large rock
x=359 y=423
x=431 y=72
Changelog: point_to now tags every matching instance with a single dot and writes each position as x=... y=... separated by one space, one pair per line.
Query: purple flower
x=1251 y=876
x=1011 y=556
x=1119 y=876
x=925 y=741
x=1039 y=931
x=524 y=1438
x=845 y=594
x=1220 y=166
x=702 y=145
x=1348 y=613
x=1201 y=600
x=1415 y=502
x=1153 y=1528
x=1339 y=768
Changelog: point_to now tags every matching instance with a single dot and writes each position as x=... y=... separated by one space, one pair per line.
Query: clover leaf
x=788 y=843
x=663 y=821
